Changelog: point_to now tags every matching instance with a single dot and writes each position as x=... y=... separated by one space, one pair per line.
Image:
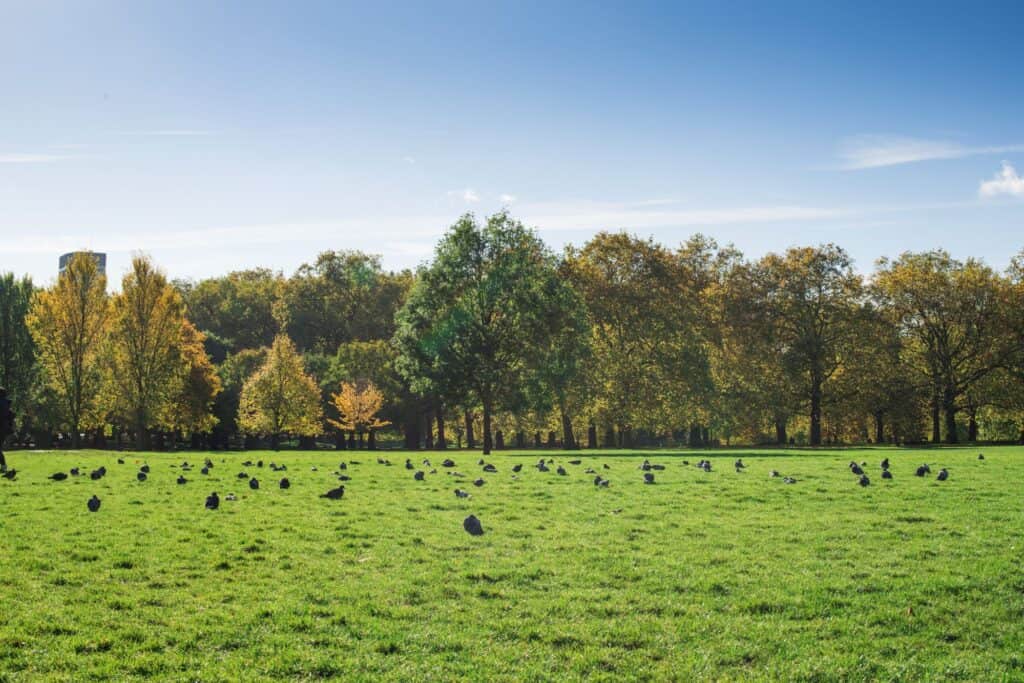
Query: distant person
x=6 y=425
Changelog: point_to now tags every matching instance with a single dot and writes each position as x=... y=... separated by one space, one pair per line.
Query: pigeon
x=209 y=463
x=418 y=476
x=96 y=475
x=707 y=466
x=604 y=483
x=472 y=525
x=141 y=476
x=789 y=480
x=490 y=468
x=312 y=469
x=459 y=493
x=334 y=494
x=658 y=467
x=981 y=456
x=243 y=475
x=93 y=504
x=863 y=481
x=645 y=466
x=212 y=501
x=145 y=468
x=773 y=473
x=230 y=496
x=855 y=468
x=607 y=466
x=648 y=478
x=247 y=463
x=182 y=479
x=517 y=467
x=10 y=474
x=541 y=467
x=74 y=472
x=59 y=476
x=886 y=474
x=342 y=466
x=739 y=464
x=479 y=482
x=344 y=477
x=448 y=463
x=120 y=461
x=284 y=483
x=480 y=461
x=259 y=463
x=943 y=475
x=575 y=462
x=561 y=471
x=205 y=470
x=254 y=483
x=598 y=481
x=409 y=465
x=590 y=470
x=922 y=470
x=885 y=464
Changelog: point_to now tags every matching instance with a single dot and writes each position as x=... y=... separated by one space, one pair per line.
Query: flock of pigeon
x=471 y=524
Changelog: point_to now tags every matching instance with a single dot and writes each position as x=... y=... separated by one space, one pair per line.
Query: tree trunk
x=352 y=440
x=780 y=431
x=609 y=437
x=339 y=441
x=275 y=441
x=499 y=440
x=360 y=441
x=487 y=427
x=428 y=432
x=536 y=440
x=695 y=441
x=815 y=411
x=470 y=440
x=592 y=435
x=442 y=443
x=411 y=429
x=552 y=439
x=568 y=438
x=879 y=426
x=972 y=426
x=936 y=422
x=371 y=440
x=949 y=410
x=520 y=439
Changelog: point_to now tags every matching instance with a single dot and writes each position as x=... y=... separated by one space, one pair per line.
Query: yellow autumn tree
x=280 y=398
x=69 y=322
x=190 y=410
x=357 y=410
x=145 y=355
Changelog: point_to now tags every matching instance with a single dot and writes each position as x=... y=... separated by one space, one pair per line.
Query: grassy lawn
x=719 y=575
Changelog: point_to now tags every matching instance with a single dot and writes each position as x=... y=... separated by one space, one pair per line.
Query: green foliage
x=280 y=398
x=17 y=350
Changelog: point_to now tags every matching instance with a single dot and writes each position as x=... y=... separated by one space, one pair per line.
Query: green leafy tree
x=17 y=350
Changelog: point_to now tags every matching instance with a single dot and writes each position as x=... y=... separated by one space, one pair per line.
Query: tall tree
x=476 y=323
x=69 y=322
x=17 y=350
x=957 y=320
x=237 y=308
x=280 y=398
x=145 y=358
x=191 y=408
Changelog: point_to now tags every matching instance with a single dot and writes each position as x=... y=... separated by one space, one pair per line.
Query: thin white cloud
x=877 y=151
x=31 y=158
x=507 y=198
x=1006 y=181
x=468 y=195
x=168 y=132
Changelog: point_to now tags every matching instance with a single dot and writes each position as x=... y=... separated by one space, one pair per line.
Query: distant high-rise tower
x=101 y=260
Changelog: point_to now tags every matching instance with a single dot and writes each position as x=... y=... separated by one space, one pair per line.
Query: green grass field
x=716 y=575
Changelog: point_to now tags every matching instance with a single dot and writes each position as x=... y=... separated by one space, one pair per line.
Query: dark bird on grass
x=886 y=474
x=739 y=464
x=598 y=481
x=98 y=474
x=230 y=496
x=74 y=472
x=981 y=456
x=922 y=470
x=773 y=473
x=59 y=476
x=10 y=474
x=205 y=470
x=93 y=504
x=943 y=475
x=120 y=461
x=409 y=465
x=259 y=463
x=145 y=468
x=707 y=466
x=311 y=469
x=789 y=480
x=342 y=466
x=604 y=483
x=254 y=483
x=480 y=461
x=448 y=462
x=208 y=463
x=479 y=482
x=645 y=465
x=212 y=501
x=284 y=483
x=658 y=467
x=855 y=468
x=242 y=475
x=334 y=494
x=686 y=462
x=885 y=464
x=490 y=468
x=648 y=477
x=607 y=466
x=561 y=471
x=472 y=525
x=459 y=493
x=863 y=481
x=418 y=476
x=542 y=467
x=141 y=476
x=247 y=463
x=590 y=470
x=182 y=479
x=344 y=477
x=575 y=462
x=517 y=467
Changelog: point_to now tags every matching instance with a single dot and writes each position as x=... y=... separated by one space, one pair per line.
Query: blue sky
x=219 y=136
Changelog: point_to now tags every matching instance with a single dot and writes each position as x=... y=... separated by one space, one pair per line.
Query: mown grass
x=715 y=575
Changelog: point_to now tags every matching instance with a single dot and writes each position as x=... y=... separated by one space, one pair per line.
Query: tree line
x=498 y=341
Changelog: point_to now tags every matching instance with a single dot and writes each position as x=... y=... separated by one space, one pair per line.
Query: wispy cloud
x=468 y=195
x=31 y=158
x=507 y=198
x=1006 y=181
x=168 y=132
x=877 y=151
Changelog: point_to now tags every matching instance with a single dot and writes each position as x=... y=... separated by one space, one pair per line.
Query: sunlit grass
x=701 y=575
